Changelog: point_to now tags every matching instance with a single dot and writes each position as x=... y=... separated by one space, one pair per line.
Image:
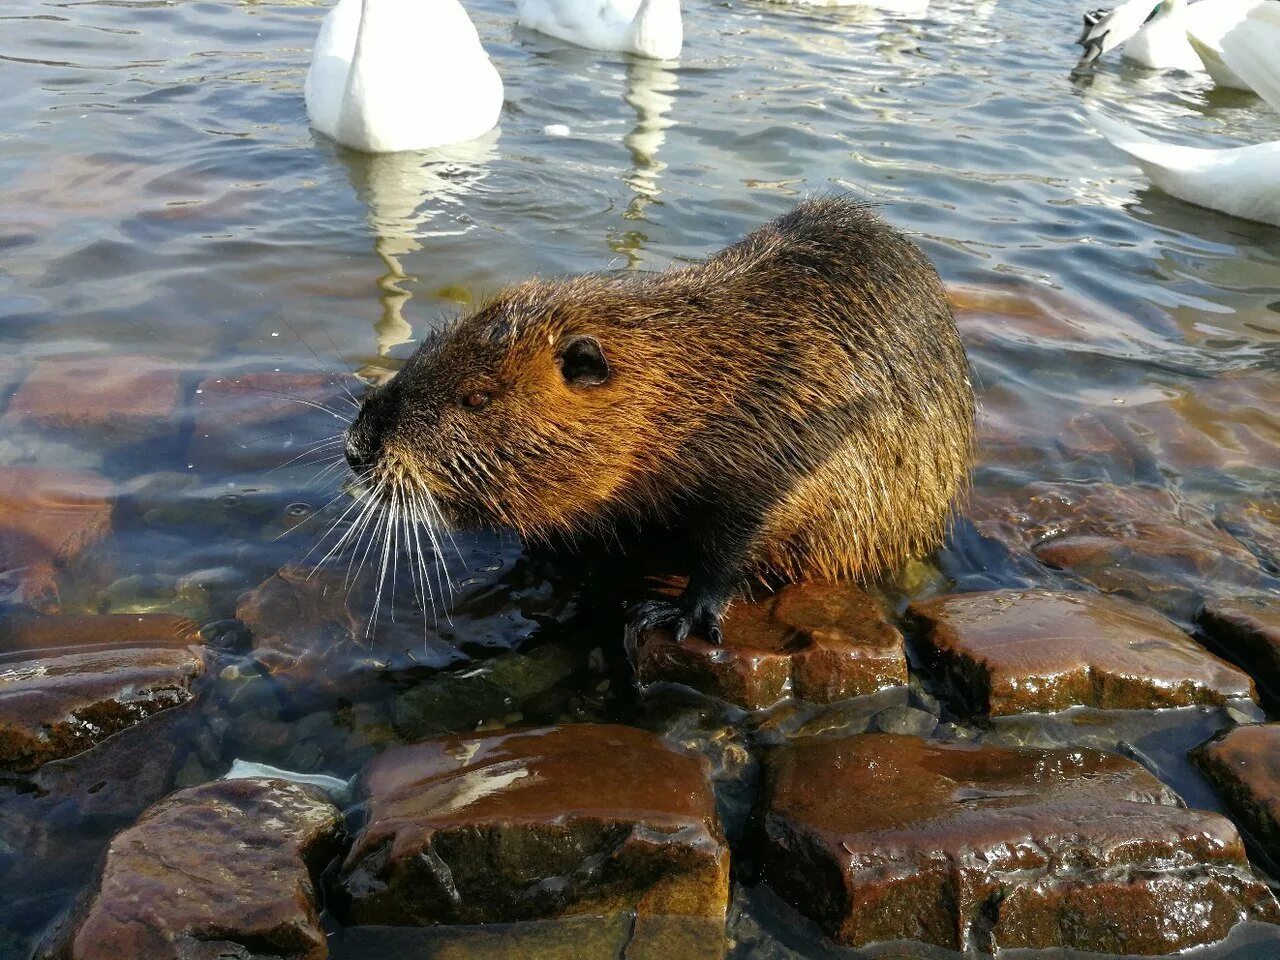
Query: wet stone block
x=554 y=821
x=56 y=822
x=1244 y=766
x=259 y=421
x=59 y=705
x=884 y=837
x=49 y=519
x=118 y=400
x=1248 y=629
x=221 y=870
x=818 y=642
x=1033 y=651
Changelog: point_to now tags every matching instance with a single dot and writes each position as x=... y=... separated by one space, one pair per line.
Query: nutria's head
x=507 y=417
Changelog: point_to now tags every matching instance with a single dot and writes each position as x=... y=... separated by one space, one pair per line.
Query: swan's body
x=648 y=28
x=1252 y=49
x=1162 y=42
x=391 y=75
x=1154 y=34
x=1241 y=181
x=1205 y=34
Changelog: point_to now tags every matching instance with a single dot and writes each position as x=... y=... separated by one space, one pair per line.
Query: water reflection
x=408 y=196
x=650 y=90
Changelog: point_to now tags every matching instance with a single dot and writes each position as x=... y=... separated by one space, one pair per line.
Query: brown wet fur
x=800 y=402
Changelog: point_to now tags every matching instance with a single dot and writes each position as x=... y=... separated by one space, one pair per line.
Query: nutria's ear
x=582 y=361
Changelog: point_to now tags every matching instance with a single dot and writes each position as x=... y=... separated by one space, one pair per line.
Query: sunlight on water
x=200 y=275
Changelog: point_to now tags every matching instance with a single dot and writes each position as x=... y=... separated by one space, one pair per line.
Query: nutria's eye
x=475 y=400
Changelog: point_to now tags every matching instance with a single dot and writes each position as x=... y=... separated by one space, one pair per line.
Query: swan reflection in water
x=650 y=89
x=411 y=196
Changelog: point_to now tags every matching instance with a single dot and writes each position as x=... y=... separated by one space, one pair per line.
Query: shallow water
x=162 y=196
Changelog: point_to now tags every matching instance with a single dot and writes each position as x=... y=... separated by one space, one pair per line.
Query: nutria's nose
x=359 y=448
x=366 y=434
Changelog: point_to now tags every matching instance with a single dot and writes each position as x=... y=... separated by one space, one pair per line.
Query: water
x=163 y=197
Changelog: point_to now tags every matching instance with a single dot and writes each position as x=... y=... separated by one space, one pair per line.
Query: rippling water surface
x=162 y=196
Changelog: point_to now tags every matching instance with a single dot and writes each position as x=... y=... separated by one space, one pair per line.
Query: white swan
x=1206 y=34
x=1252 y=48
x=391 y=75
x=1241 y=181
x=648 y=28
x=1154 y=34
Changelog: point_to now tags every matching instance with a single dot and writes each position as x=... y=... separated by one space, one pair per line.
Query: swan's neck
x=1170 y=7
x=363 y=36
x=353 y=119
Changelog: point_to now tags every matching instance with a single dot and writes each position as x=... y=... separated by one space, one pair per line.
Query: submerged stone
x=493 y=689
x=308 y=633
x=1044 y=440
x=1244 y=766
x=119 y=400
x=312 y=629
x=884 y=837
x=1229 y=424
x=1218 y=426
x=618 y=936
x=1024 y=651
x=1248 y=629
x=258 y=421
x=221 y=870
x=59 y=704
x=546 y=822
x=94 y=631
x=12 y=370
x=815 y=641
x=1142 y=543
x=155 y=594
x=1256 y=524
x=1029 y=313
x=49 y=519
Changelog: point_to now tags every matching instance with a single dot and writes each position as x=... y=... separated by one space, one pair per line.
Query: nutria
x=799 y=403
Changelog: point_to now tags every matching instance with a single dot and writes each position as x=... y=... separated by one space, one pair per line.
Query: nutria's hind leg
x=725 y=542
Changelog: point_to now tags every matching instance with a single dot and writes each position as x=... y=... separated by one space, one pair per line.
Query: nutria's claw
x=652 y=614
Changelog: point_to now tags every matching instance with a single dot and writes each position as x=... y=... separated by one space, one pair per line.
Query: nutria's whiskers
x=362 y=503
x=320 y=365
x=391 y=513
x=311 y=450
x=327 y=473
x=315 y=513
x=302 y=400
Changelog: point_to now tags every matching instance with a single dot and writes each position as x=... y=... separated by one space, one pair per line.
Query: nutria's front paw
x=701 y=620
